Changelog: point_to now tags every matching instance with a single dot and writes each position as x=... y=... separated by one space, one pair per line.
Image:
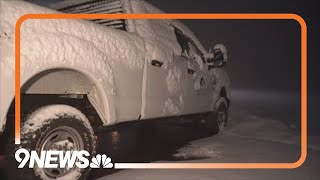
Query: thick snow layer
x=46 y=114
x=171 y=108
x=174 y=104
x=112 y=59
x=173 y=80
x=96 y=51
x=158 y=30
x=91 y=42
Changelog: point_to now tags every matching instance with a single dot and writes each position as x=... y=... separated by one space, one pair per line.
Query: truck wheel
x=60 y=128
x=217 y=121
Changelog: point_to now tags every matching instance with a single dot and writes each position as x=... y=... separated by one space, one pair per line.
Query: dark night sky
x=264 y=54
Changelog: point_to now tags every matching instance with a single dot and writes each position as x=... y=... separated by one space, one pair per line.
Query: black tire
x=38 y=128
x=217 y=121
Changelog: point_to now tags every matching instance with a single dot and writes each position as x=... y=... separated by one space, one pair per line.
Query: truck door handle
x=156 y=63
x=191 y=71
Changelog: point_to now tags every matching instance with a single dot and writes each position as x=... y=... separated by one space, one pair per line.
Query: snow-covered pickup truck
x=77 y=75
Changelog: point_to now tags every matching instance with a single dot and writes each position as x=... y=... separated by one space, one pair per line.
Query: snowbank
x=249 y=125
x=198 y=151
x=248 y=128
x=242 y=141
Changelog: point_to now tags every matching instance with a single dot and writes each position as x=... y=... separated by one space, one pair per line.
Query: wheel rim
x=222 y=117
x=64 y=139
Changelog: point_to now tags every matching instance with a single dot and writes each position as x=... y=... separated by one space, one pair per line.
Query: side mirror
x=219 y=56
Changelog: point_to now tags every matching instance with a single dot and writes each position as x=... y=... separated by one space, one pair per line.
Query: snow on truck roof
x=98 y=6
x=117 y=7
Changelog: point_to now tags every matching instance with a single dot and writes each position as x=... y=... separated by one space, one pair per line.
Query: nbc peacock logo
x=101 y=160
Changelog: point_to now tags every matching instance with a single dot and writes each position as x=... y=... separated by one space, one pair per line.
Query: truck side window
x=182 y=40
x=189 y=48
x=195 y=55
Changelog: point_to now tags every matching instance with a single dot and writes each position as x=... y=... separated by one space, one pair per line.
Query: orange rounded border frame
x=295 y=17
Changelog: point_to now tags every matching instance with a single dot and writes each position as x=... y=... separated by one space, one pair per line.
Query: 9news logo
x=61 y=159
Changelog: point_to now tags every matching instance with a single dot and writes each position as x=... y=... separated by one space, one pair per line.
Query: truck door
x=198 y=88
x=198 y=95
x=164 y=77
x=165 y=88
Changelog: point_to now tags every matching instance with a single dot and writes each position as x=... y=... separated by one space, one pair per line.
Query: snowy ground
x=249 y=138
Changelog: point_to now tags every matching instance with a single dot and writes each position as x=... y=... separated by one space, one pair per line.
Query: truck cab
x=177 y=73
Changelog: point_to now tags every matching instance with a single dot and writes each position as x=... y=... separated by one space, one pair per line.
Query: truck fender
x=67 y=52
